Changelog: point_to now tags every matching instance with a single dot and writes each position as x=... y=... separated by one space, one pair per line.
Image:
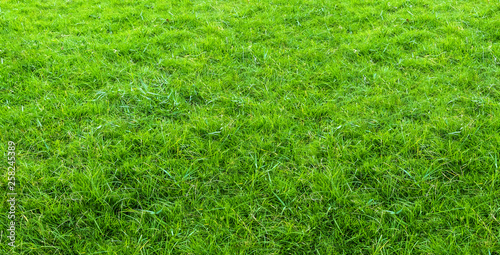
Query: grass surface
x=252 y=127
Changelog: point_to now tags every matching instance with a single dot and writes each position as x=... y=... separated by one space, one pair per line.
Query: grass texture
x=252 y=126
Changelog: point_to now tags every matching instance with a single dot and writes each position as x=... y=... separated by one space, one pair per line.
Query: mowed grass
x=252 y=127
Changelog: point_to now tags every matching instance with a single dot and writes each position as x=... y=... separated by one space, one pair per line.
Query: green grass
x=252 y=127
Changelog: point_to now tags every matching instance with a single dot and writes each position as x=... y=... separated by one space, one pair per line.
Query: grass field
x=251 y=126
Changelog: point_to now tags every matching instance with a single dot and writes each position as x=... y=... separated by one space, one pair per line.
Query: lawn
x=250 y=126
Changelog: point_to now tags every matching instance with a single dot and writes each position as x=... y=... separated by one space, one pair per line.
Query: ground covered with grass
x=252 y=126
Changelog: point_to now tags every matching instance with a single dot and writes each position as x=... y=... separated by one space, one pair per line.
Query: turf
x=251 y=127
